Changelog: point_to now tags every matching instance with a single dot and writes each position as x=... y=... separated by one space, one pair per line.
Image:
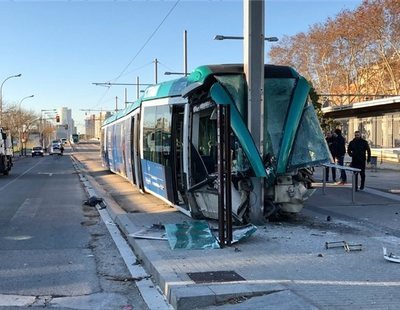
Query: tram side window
x=208 y=139
x=148 y=133
x=157 y=134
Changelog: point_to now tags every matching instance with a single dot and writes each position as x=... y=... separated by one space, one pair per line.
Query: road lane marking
x=21 y=175
x=27 y=210
x=49 y=173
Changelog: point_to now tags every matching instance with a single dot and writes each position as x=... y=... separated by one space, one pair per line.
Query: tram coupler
x=347 y=247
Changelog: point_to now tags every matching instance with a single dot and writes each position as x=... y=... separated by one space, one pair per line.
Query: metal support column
x=221 y=179
x=253 y=54
x=224 y=175
x=228 y=177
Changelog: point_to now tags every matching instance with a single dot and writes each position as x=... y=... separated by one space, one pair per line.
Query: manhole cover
x=215 y=276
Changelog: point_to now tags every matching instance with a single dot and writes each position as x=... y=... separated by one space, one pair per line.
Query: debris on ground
x=93 y=201
x=390 y=257
x=347 y=247
x=155 y=232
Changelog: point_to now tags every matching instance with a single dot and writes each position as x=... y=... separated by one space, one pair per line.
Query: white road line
x=153 y=298
x=27 y=210
x=12 y=181
x=382 y=194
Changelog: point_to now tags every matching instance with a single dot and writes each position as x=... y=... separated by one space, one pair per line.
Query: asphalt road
x=54 y=251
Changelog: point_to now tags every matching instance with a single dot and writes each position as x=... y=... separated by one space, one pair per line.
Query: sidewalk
x=283 y=265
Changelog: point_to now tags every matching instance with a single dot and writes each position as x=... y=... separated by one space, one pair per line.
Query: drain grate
x=215 y=276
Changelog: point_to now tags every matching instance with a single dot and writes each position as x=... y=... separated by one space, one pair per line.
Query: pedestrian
x=359 y=152
x=340 y=152
x=331 y=141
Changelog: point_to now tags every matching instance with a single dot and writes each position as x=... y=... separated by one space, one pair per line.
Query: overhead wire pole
x=126 y=97
x=155 y=71
x=185 y=53
x=253 y=54
x=137 y=87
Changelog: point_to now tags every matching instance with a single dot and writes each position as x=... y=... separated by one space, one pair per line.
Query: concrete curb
x=179 y=293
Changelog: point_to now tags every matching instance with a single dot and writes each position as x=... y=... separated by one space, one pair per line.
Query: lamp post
x=49 y=114
x=174 y=73
x=222 y=37
x=22 y=135
x=1 y=94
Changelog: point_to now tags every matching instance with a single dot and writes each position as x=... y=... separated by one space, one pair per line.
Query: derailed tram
x=166 y=142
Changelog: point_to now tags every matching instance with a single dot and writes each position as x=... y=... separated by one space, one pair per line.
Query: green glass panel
x=192 y=236
x=310 y=147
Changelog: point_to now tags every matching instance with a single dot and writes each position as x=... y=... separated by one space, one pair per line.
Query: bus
x=166 y=143
x=75 y=138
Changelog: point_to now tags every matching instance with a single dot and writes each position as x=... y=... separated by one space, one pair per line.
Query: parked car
x=37 y=151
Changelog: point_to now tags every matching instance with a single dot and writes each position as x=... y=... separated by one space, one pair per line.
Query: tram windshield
x=308 y=147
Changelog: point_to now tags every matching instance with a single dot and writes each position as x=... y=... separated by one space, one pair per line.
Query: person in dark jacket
x=340 y=152
x=359 y=152
x=331 y=141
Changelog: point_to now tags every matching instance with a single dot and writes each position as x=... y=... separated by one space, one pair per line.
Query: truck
x=6 y=152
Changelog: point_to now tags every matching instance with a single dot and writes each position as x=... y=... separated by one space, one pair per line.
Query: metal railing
x=354 y=172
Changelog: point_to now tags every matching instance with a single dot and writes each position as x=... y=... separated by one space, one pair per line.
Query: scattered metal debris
x=126 y=279
x=347 y=247
x=154 y=232
x=390 y=257
x=93 y=201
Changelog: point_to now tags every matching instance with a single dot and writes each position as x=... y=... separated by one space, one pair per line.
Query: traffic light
x=57 y=118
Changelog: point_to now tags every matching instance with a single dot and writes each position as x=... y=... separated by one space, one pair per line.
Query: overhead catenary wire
x=165 y=66
x=147 y=41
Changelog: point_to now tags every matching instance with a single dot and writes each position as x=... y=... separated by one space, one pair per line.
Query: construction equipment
x=6 y=151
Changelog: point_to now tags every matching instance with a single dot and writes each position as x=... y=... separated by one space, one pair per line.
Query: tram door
x=178 y=174
x=136 y=151
x=133 y=149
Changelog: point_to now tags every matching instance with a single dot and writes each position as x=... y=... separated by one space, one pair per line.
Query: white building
x=66 y=126
x=93 y=124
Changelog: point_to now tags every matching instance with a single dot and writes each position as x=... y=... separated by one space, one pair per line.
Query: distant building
x=66 y=126
x=377 y=120
x=93 y=124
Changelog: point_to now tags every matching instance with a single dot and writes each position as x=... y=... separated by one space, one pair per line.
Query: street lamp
x=31 y=96
x=20 y=119
x=221 y=37
x=1 y=94
x=49 y=115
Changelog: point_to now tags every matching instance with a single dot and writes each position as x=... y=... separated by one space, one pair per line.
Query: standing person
x=358 y=147
x=340 y=152
x=331 y=141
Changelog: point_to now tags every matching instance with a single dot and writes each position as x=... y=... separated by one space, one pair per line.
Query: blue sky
x=61 y=47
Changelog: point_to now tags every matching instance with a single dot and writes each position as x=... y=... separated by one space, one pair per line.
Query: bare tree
x=16 y=119
x=356 y=52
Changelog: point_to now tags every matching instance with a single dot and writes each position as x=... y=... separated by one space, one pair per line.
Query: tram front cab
x=293 y=143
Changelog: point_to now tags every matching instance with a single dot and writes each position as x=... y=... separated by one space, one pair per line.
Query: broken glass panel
x=191 y=235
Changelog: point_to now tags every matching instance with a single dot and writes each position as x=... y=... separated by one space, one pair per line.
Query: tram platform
x=284 y=264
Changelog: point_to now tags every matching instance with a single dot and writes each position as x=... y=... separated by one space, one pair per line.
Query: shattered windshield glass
x=277 y=98
x=310 y=147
